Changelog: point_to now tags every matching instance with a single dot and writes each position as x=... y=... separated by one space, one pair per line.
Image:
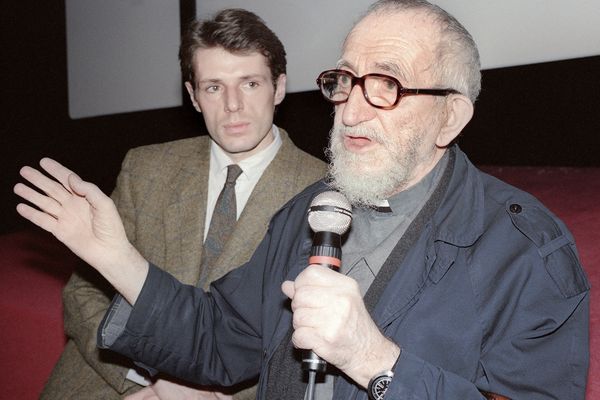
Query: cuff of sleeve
x=114 y=321
x=121 y=318
x=135 y=376
x=408 y=371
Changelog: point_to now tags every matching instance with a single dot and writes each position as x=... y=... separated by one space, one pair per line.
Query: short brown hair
x=237 y=31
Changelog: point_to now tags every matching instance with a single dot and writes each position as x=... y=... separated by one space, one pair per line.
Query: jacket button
x=515 y=208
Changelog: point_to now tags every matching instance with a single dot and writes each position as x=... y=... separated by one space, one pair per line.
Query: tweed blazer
x=161 y=196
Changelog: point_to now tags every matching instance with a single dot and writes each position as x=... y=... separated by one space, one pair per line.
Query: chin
x=362 y=184
x=368 y=177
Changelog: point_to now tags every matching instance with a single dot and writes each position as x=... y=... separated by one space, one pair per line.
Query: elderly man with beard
x=453 y=284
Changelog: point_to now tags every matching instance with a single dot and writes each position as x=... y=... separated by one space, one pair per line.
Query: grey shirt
x=372 y=237
x=373 y=234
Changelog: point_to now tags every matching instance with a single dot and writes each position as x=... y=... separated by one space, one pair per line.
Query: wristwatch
x=379 y=384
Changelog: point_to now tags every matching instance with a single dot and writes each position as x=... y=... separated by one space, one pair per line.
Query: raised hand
x=82 y=217
x=330 y=318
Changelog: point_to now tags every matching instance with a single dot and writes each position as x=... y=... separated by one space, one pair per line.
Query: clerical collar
x=402 y=202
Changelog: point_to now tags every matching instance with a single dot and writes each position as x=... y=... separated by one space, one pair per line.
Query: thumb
x=91 y=192
x=288 y=289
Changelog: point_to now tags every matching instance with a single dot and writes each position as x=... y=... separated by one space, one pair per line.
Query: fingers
x=144 y=394
x=318 y=275
x=56 y=170
x=320 y=317
x=302 y=316
x=51 y=201
x=222 y=396
x=91 y=192
x=45 y=203
x=72 y=182
x=287 y=288
x=318 y=286
x=49 y=186
x=326 y=307
x=37 y=217
x=315 y=297
x=307 y=318
x=60 y=190
x=307 y=339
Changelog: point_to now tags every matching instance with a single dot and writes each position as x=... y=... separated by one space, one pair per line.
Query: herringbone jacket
x=161 y=196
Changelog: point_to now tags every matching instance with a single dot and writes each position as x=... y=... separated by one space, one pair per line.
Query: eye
x=344 y=80
x=252 y=84
x=389 y=84
x=211 y=88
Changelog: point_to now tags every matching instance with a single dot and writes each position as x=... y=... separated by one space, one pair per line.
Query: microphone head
x=330 y=212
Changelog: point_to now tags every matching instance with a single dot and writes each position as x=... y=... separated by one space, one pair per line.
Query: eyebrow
x=390 y=67
x=343 y=64
x=241 y=78
x=385 y=66
x=254 y=76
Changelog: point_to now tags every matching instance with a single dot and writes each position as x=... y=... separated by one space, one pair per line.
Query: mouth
x=237 y=127
x=357 y=143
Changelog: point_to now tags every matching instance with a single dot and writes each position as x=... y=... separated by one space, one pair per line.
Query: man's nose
x=233 y=100
x=356 y=109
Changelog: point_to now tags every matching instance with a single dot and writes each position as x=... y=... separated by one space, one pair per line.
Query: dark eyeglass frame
x=360 y=80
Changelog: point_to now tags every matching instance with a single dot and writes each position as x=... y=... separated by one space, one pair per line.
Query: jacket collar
x=459 y=220
x=185 y=214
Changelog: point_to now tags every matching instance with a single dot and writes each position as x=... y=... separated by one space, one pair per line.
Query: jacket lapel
x=270 y=193
x=455 y=222
x=404 y=274
x=185 y=215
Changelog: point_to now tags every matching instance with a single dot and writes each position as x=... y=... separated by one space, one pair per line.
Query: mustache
x=357 y=131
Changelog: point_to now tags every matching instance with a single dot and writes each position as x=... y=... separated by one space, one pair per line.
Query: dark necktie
x=222 y=223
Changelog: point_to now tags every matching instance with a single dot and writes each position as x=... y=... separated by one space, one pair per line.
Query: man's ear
x=459 y=111
x=280 y=89
x=190 y=90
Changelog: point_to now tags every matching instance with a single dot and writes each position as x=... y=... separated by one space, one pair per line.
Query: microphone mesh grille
x=336 y=218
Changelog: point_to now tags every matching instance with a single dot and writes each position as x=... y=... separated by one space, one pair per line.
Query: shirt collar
x=415 y=196
x=251 y=166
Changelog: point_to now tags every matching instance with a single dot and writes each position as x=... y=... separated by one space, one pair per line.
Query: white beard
x=367 y=179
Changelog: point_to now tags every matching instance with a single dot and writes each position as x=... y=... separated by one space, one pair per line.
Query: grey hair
x=458 y=65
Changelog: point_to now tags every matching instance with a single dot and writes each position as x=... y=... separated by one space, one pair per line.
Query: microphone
x=329 y=216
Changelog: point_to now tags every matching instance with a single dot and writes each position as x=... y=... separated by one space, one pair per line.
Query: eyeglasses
x=380 y=91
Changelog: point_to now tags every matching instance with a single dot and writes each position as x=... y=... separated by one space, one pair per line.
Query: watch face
x=380 y=386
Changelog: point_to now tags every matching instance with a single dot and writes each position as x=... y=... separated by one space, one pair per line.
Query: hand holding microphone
x=330 y=316
x=329 y=216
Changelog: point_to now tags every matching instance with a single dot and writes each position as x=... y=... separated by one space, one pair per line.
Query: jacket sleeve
x=533 y=301
x=218 y=337
x=209 y=338
x=86 y=298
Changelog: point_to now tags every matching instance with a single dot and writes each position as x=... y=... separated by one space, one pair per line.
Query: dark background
x=544 y=114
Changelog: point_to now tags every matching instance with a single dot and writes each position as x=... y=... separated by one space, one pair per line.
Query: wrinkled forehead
x=404 y=40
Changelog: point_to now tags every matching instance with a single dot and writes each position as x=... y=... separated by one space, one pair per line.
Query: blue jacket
x=491 y=297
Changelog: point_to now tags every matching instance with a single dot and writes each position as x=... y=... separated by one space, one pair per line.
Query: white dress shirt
x=252 y=169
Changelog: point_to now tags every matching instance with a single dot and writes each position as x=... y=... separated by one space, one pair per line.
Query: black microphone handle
x=326 y=251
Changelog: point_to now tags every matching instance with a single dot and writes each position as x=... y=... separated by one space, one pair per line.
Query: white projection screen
x=122 y=56
x=133 y=64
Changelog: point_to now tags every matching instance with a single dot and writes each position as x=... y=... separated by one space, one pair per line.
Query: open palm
x=85 y=220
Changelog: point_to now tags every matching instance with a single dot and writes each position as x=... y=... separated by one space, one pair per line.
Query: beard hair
x=369 y=178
